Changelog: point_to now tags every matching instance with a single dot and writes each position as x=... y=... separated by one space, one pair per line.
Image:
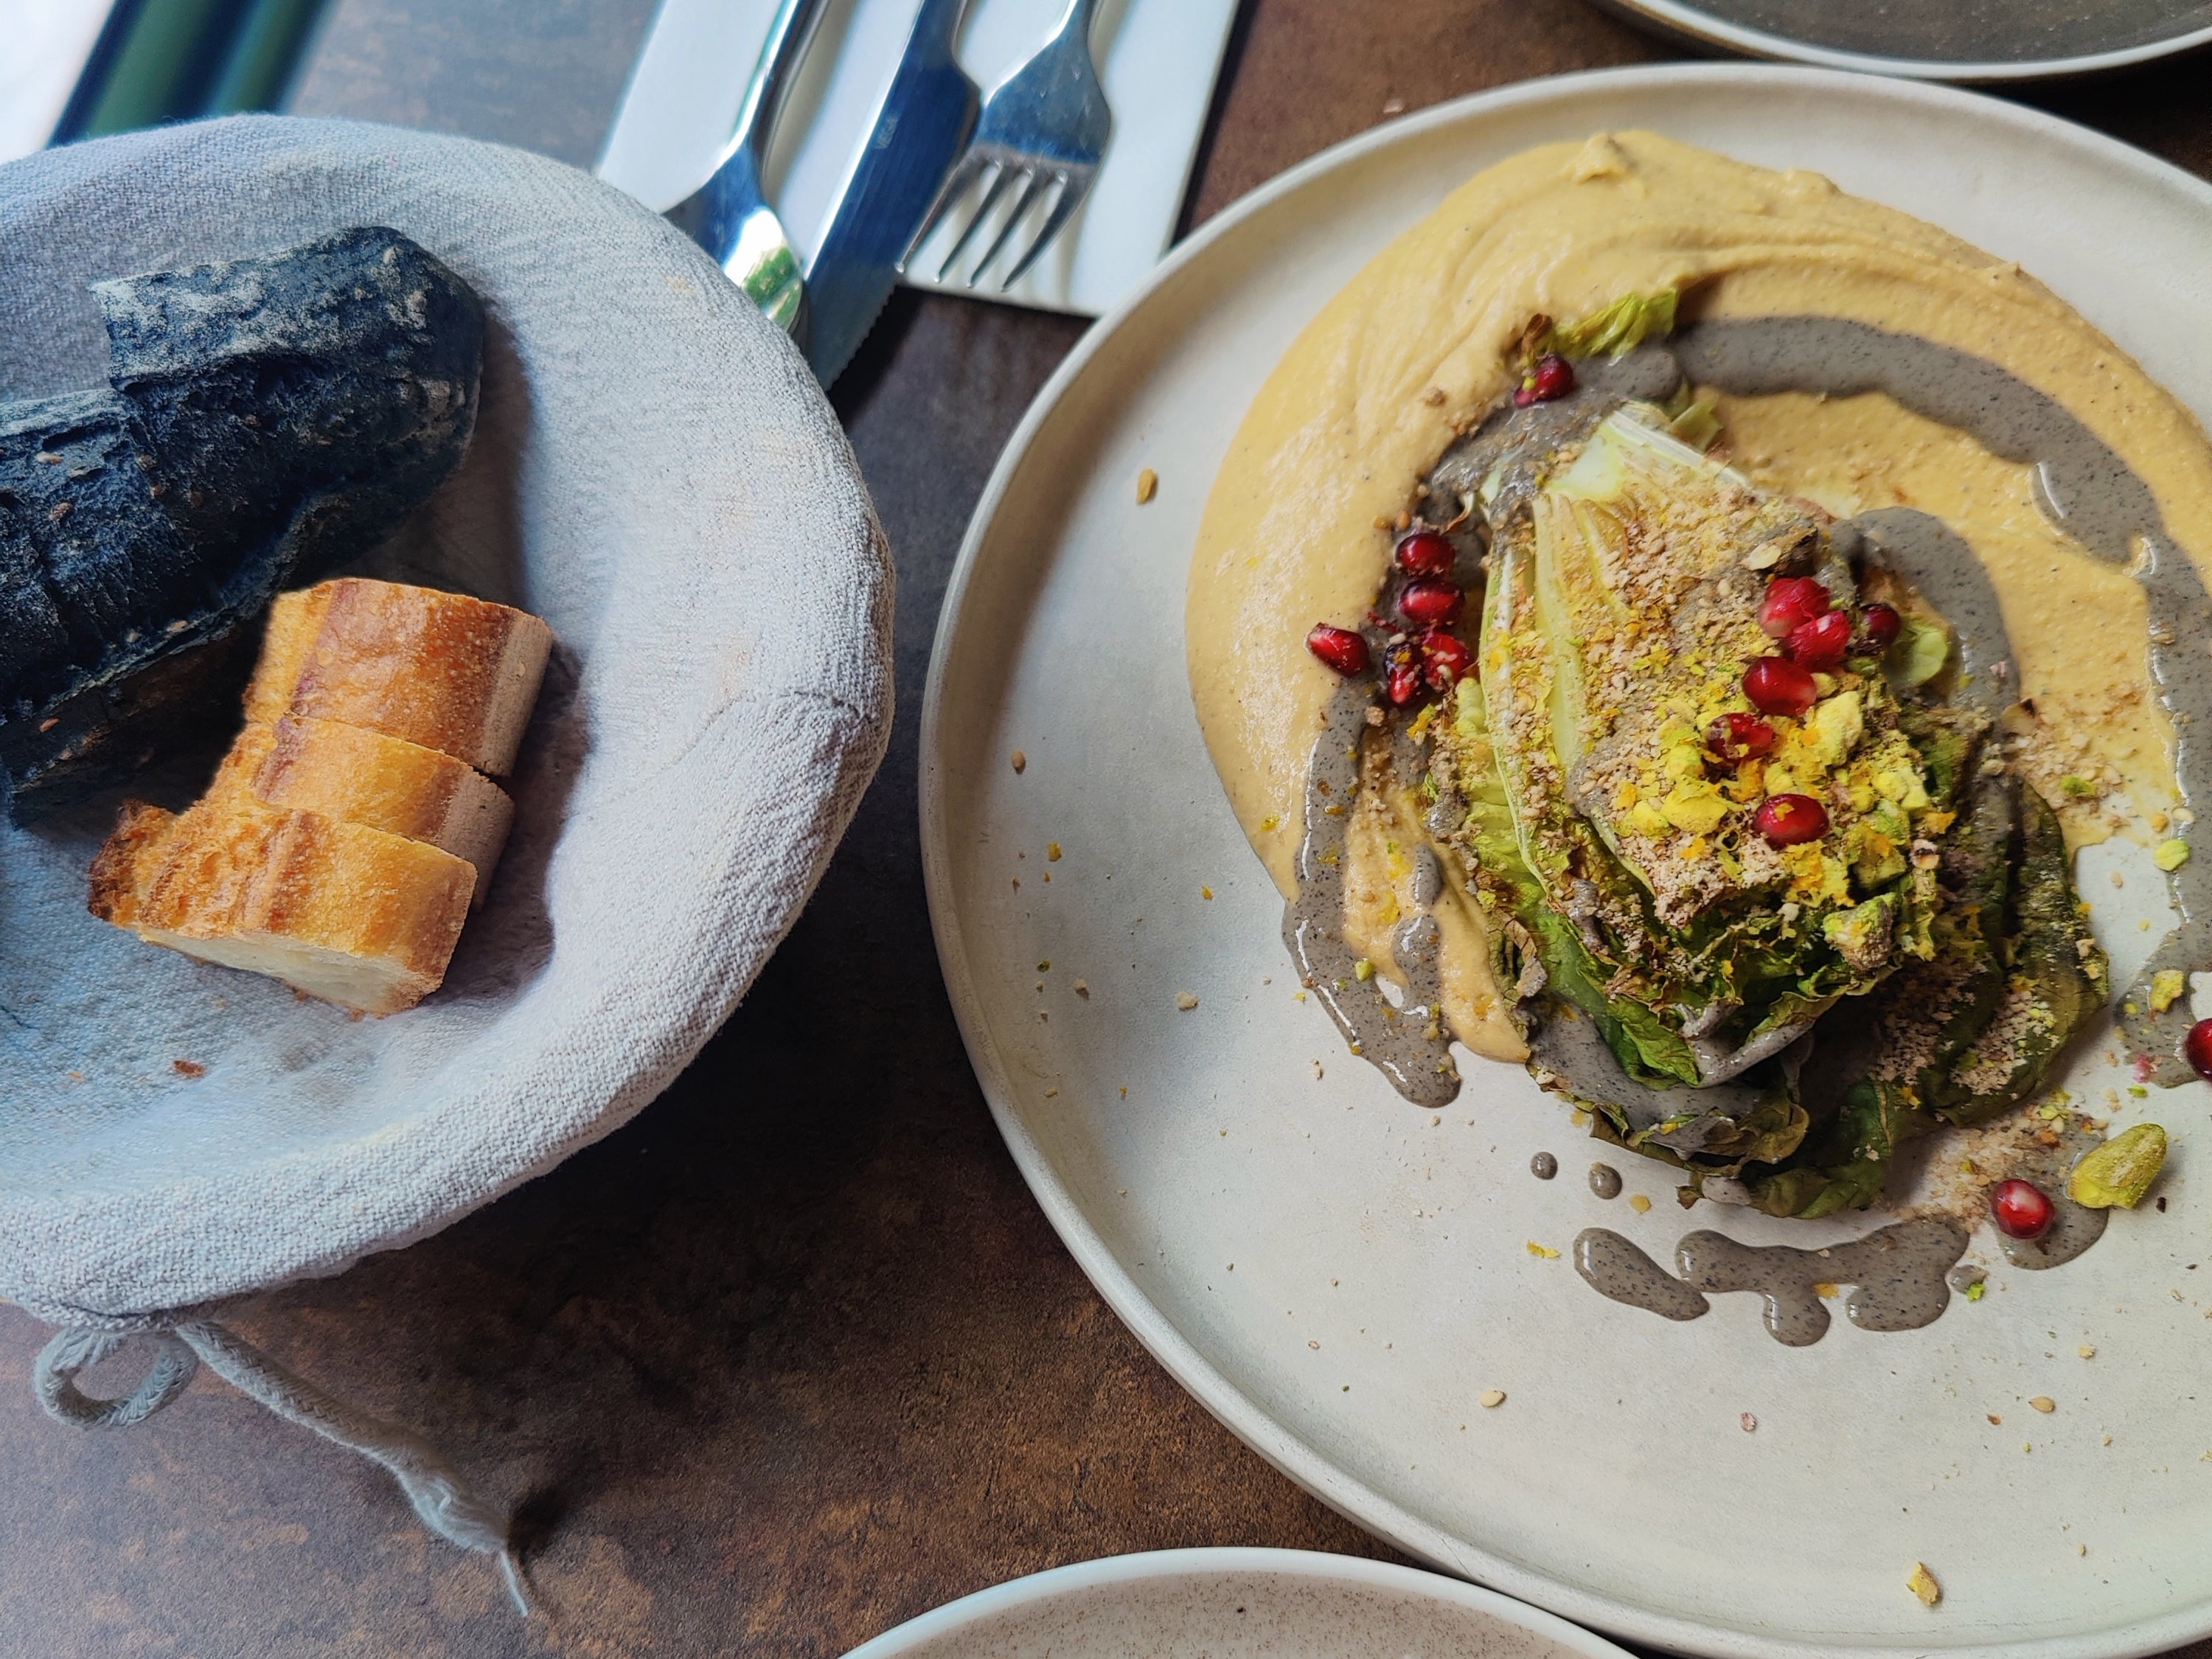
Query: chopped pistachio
x=2078 y=787
x=2119 y=1172
x=2167 y=987
x=1836 y=727
x=1698 y=808
x=2170 y=855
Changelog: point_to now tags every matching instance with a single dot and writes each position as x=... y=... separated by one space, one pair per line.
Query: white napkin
x=1157 y=59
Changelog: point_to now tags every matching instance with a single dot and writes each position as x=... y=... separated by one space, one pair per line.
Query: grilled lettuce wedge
x=1678 y=962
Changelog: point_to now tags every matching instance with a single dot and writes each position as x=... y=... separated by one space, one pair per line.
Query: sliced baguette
x=440 y=670
x=354 y=915
x=385 y=783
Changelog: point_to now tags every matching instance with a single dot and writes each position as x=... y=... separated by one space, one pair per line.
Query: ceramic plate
x=1235 y=1604
x=1955 y=40
x=1340 y=1276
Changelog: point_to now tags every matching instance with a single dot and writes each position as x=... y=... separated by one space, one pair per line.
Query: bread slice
x=386 y=783
x=440 y=670
x=356 y=916
x=295 y=619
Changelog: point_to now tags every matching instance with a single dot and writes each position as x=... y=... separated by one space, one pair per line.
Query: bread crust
x=388 y=783
x=449 y=673
x=126 y=861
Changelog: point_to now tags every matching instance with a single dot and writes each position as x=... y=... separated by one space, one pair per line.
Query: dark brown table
x=794 y=1356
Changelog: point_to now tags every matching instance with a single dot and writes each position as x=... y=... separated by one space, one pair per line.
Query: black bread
x=269 y=418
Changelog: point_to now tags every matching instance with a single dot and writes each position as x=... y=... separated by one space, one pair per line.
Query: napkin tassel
x=435 y=1489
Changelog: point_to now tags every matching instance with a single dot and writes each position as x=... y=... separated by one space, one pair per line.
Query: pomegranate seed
x=1776 y=685
x=1552 y=377
x=1401 y=673
x=1791 y=600
x=1448 y=658
x=1821 y=643
x=1787 y=820
x=1881 y=625
x=1737 y=736
x=1340 y=647
x=2022 y=1209
x=1425 y=553
x=2197 y=1047
x=1430 y=601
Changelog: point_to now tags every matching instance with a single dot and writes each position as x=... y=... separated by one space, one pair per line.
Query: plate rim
x=1227 y=1403
x=1695 y=24
x=1321 y=1566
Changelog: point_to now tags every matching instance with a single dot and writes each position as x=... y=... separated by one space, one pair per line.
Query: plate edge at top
x=1229 y=1403
x=1689 y=23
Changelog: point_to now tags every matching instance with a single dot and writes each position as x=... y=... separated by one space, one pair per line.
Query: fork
x=729 y=215
x=1046 y=124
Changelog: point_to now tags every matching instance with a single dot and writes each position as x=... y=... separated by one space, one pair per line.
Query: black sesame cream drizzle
x=1410 y=1044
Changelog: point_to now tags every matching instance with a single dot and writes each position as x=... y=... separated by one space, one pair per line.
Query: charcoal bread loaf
x=268 y=418
x=349 y=362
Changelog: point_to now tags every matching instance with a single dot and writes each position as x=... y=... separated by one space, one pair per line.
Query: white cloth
x=656 y=474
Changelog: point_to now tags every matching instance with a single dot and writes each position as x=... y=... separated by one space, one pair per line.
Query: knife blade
x=919 y=129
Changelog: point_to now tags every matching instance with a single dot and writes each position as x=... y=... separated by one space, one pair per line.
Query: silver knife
x=729 y=215
x=919 y=129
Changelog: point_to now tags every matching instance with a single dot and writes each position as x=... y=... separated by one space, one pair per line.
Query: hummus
x=1299 y=525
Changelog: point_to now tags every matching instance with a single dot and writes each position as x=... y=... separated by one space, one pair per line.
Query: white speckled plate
x=1235 y=1604
x=1340 y=1276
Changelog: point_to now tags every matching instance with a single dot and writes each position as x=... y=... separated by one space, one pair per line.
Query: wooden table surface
x=792 y=1358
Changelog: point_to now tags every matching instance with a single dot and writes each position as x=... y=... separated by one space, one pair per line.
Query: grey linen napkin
x=655 y=472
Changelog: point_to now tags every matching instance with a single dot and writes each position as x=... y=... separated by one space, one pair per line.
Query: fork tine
x=956 y=184
x=1075 y=185
x=999 y=180
x=1031 y=182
